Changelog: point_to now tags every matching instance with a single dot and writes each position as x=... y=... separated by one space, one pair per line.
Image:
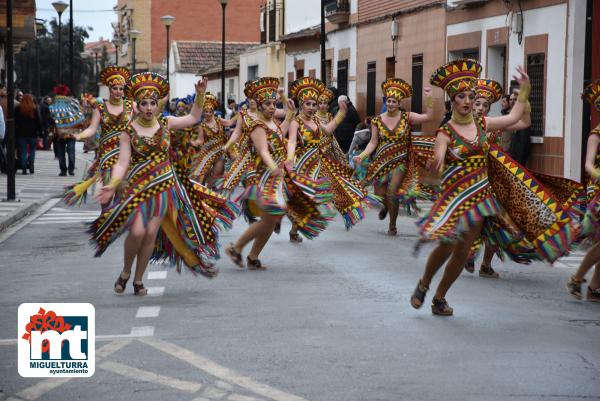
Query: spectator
x=27 y=128
x=345 y=131
x=68 y=118
x=520 y=141
x=2 y=135
x=46 y=121
x=505 y=105
x=3 y=100
x=231 y=109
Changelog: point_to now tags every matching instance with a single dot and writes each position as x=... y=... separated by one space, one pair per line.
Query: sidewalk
x=33 y=190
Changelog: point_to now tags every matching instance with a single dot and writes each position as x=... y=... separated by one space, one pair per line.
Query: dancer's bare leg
x=458 y=259
x=143 y=256
x=392 y=199
x=133 y=243
x=263 y=236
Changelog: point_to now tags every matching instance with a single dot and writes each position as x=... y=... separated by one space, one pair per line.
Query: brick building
x=195 y=21
x=23 y=29
x=413 y=55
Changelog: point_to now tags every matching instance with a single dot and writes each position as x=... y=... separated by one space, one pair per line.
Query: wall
x=370 y=9
x=201 y=20
x=301 y=14
x=338 y=40
x=546 y=157
x=182 y=84
x=257 y=56
x=422 y=32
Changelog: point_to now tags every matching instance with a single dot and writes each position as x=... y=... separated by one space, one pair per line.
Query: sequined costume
x=211 y=151
x=330 y=147
x=522 y=219
x=111 y=127
x=301 y=197
x=192 y=213
x=349 y=197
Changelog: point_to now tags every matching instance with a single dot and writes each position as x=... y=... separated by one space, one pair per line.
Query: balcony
x=337 y=11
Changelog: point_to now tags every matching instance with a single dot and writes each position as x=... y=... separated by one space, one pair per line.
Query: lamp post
x=167 y=20
x=40 y=29
x=96 y=67
x=71 y=82
x=223 y=5
x=117 y=42
x=60 y=7
x=394 y=37
x=322 y=45
x=133 y=34
x=10 y=104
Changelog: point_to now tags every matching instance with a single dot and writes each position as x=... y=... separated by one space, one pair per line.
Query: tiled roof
x=313 y=32
x=231 y=64
x=194 y=56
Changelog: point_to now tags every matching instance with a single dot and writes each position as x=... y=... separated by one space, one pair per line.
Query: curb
x=23 y=212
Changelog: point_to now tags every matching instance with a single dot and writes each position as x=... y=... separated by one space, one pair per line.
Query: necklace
x=142 y=122
x=304 y=116
x=117 y=102
x=460 y=119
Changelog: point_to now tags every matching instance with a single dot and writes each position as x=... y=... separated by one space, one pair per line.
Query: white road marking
x=201 y=399
x=148 y=311
x=156 y=291
x=142 y=331
x=39 y=389
x=213 y=393
x=219 y=371
x=101 y=338
x=159 y=275
x=15 y=228
x=239 y=397
x=139 y=374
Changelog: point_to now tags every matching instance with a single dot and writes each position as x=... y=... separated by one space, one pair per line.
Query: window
x=536 y=66
x=252 y=72
x=371 y=85
x=390 y=67
x=342 y=77
x=231 y=91
x=263 y=27
x=417 y=84
x=272 y=24
x=299 y=73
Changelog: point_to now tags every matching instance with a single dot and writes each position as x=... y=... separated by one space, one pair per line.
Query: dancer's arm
x=371 y=146
x=259 y=138
x=339 y=117
x=119 y=170
x=281 y=113
x=590 y=157
x=191 y=119
x=289 y=116
x=237 y=133
x=417 y=118
x=291 y=145
x=524 y=122
x=503 y=122
x=439 y=153
x=91 y=129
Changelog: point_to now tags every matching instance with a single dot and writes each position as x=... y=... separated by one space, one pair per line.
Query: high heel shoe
x=138 y=289
x=121 y=283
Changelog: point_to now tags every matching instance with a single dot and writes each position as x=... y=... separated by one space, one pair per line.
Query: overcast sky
x=96 y=14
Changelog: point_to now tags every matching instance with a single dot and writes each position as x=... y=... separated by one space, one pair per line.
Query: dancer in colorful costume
x=168 y=215
x=307 y=157
x=519 y=217
x=590 y=233
x=209 y=162
x=390 y=169
x=276 y=190
x=111 y=117
x=182 y=149
x=329 y=144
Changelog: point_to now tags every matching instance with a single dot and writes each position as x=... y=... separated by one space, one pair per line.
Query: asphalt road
x=329 y=321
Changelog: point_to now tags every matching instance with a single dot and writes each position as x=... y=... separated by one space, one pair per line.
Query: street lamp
x=117 y=42
x=223 y=5
x=394 y=37
x=60 y=7
x=71 y=83
x=96 y=67
x=40 y=29
x=133 y=34
x=167 y=20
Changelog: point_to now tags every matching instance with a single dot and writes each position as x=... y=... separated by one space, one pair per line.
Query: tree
x=26 y=65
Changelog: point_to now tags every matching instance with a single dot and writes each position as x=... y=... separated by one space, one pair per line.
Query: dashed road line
x=156 y=291
x=148 y=311
x=142 y=331
x=157 y=275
